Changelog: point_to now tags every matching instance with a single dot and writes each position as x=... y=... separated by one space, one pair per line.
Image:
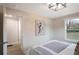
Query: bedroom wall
x=59 y=26
x=58 y=29
x=28 y=28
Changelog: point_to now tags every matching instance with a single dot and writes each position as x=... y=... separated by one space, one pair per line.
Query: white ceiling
x=42 y=9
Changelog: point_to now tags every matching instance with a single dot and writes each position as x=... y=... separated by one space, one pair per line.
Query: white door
x=12 y=31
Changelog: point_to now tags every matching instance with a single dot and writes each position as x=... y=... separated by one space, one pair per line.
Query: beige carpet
x=15 y=50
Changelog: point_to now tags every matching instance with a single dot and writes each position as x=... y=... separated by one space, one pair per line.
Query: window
x=72 y=30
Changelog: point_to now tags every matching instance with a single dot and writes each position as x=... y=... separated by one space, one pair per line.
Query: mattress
x=53 y=47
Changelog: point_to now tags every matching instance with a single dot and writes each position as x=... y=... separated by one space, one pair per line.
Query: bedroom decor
x=39 y=27
x=56 y=6
x=53 y=47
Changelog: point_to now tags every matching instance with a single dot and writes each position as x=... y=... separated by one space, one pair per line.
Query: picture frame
x=39 y=27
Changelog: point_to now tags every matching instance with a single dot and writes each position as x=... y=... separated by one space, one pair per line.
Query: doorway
x=13 y=29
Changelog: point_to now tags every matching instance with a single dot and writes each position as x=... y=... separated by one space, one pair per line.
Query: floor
x=14 y=50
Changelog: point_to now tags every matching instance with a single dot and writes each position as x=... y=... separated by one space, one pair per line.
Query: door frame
x=5 y=34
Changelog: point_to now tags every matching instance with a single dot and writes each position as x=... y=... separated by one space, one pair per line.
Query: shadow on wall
x=1 y=31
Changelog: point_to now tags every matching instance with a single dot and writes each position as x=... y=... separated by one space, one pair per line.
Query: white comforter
x=53 y=47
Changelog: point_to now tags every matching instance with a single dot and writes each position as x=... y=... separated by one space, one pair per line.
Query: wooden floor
x=15 y=50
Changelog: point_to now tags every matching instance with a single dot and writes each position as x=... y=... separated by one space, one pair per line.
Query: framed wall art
x=39 y=27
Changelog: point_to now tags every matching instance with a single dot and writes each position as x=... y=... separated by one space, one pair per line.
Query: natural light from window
x=72 y=30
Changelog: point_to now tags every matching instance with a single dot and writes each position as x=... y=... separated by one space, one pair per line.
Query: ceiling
x=42 y=9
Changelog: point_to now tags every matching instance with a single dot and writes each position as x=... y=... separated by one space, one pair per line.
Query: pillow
x=77 y=49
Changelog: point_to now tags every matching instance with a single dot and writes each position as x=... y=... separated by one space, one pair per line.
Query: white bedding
x=53 y=47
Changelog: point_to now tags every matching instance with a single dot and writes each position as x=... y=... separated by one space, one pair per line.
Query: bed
x=53 y=47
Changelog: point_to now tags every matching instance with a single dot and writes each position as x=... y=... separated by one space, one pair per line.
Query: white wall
x=59 y=26
x=28 y=28
x=29 y=38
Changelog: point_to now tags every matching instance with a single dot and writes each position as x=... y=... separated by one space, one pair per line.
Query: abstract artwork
x=39 y=27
